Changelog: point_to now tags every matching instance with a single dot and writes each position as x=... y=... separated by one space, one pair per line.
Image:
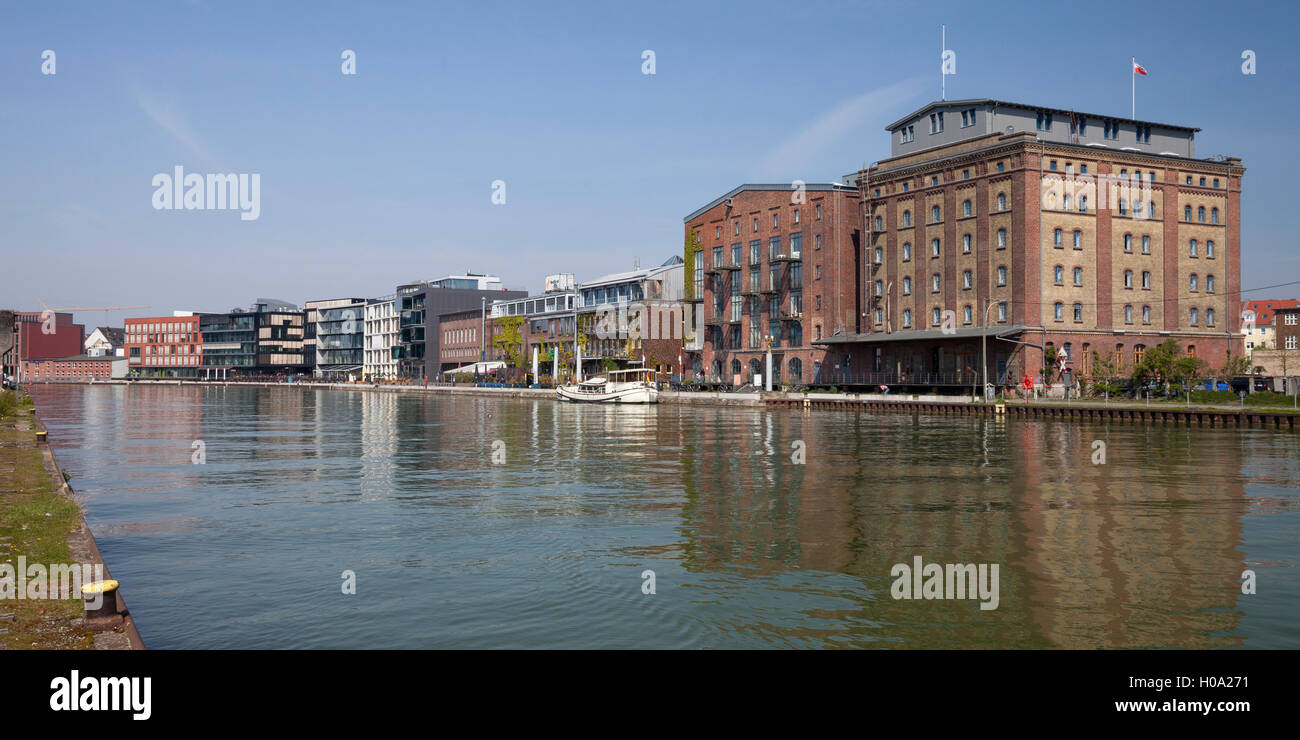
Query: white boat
x=617 y=386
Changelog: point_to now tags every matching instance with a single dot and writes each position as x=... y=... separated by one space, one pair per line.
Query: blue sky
x=385 y=176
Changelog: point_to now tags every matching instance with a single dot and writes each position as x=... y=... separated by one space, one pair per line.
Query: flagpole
x=1132 y=78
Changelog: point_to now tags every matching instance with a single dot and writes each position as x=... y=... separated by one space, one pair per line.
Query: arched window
x=1057 y=237
x=1200 y=214
x=1146 y=245
x=966 y=314
x=1058 y=275
x=1146 y=280
x=1128 y=278
x=880 y=255
x=1195 y=316
x=1192 y=248
x=965 y=243
x=1128 y=242
x=967 y=279
x=1078 y=276
x=1058 y=311
x=907 y=317
x=934 y=282
x=880 y=224
x=735 y=367
x=934 y=247
x=1209 y=317
x=1128 y=314
x=907 y=218
x=1002 y=201
x=1209 y=283
x=1214 y=216
x=1192 y=282
x=1187 y=213
x=1146 y=314
x=880 y=287
x=1002 y=274
x=907 y=251
x=935 y=316
x=796 y=336
x=1002 y=237
x=965 y=208
x=1078 y=239
x=1078 y=312
x=934 y=213
x=796 y=370
x=1209 y=249
x=1138 y=351
x=907 y=286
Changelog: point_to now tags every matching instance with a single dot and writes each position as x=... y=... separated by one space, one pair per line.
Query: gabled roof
x=1264 y=308
x=1006 y=104
x=115 y=336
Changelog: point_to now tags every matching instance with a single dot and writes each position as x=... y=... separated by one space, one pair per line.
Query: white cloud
x=855 y=116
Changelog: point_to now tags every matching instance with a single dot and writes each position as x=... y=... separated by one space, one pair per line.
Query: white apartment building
x=381 y=335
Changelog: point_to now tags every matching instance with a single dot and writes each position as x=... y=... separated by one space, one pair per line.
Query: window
x=1144 y=134
x=934 y=283
x=1214 y=215
x=717 y=232
x=1146 y=280
x=880 y=255
x=967 y=280
x=1194 y=316
x=965 y=174
x=1128 y=278
x=906 y=134
x=905 y=187
x=965 y=208
x=934 y=316
x=936 y=123
x=1209 y=283
x=907 y=286
x=1192 y=282
x=1058 y=275
x=1146 y=244
x=1002 y=311
x=735 y=253
x=1187 y=210
x=880 y=287
x=796 y=215
x=1058 y=311
x=1045 y=122
x=880 y=315
x=968 y=118
x=1002 y=275
x=1146 y=314
x=1078 y=312
x=1191 y=249
x=736 y=229
x=1057 y=237
x=966 y=315
x=1200 y=214
x=1083 y=204
x=1052 y=166
x=907 y=317
x=1209 y=249
x=1078 y=239
x=965 y=243
x=776 y=220
x=1216 y=182
x=907 y=218
x=934 y=247
x=1002 y=201
x=907 y=251
x=1291 y=342
x=1128 y=242
x=819 y=241
x=755 y=251
x=880 y=224
x=934 y=213
x=1110 y=129
x=1078 y=276
x=1209 y=317
x=1128 y=314
x=1002 y=237
x=1123 y=207
x=1000 y=166
x=1065 y=202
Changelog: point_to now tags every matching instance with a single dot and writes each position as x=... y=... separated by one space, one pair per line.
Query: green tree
x=688 y=260
x=1168 y=364
x=508 y=340
x=1234 y=365
x=1105 y=373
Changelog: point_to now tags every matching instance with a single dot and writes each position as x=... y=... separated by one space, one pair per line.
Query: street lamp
x=482 y=326
x=984 y=359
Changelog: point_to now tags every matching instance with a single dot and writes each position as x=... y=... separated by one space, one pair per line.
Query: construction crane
x=92 y=308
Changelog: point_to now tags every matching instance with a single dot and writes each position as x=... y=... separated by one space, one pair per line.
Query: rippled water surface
x=748 y=548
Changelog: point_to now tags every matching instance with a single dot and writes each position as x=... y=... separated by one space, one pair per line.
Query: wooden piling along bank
x=1188 y=417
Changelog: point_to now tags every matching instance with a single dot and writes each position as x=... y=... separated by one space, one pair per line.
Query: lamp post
x=984 y=359
x=482 y=326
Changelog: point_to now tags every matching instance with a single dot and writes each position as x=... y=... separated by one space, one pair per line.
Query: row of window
x=456 y=336
x=936 y=315
x=776 y=223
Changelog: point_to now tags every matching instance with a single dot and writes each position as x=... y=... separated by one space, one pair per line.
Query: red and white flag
x=1138 y=69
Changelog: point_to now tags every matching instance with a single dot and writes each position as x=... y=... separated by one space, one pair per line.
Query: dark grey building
x=267 y=339
x=420 y=303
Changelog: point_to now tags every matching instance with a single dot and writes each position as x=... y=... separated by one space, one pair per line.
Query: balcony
x=789 y=315
x=791 y=256
x=731 y=267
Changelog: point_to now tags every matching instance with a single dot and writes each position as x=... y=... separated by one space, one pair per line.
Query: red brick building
x=164 y=346
x=40 y=336
x=79 y=368
x=778 y=266
x=461 y=332
x=1097 y=236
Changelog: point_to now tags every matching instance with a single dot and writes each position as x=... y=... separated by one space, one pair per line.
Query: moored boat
x=617 y=386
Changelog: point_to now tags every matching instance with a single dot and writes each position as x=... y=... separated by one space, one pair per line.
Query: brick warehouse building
x=164 y=346
x=1077 y=232
x=773 y=264
x=32 y=341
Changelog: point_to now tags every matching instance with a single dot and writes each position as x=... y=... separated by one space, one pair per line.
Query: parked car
x=1213 y=384
x=1263 y=384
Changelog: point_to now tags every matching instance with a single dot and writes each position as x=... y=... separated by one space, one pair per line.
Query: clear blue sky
x=384 y=177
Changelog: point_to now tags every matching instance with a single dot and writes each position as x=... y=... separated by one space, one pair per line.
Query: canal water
x=473 y=522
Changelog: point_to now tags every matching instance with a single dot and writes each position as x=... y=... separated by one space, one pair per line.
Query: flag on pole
x=1139 y=69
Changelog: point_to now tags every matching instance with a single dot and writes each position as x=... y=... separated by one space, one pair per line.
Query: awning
x=923 y=335
x=477 y=368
